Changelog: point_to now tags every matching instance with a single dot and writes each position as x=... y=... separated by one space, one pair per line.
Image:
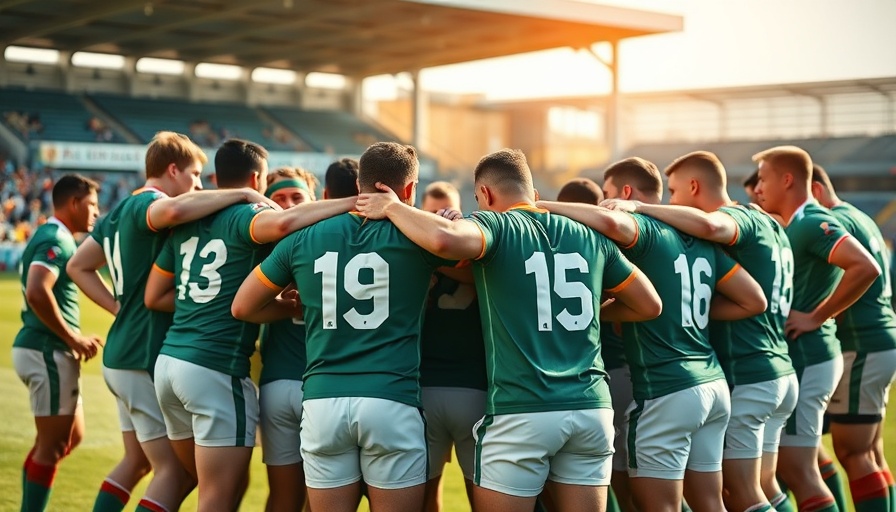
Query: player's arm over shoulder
x=270 y=226
x=616 y=225
x=165 y=212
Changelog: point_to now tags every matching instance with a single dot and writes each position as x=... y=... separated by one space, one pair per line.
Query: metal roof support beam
x=419 y=112
x=62 y=22
x=824 y=117
x=611 y=121
x=891 y=105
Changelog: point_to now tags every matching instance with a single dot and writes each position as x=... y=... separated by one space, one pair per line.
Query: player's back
x=131 y=245
x=755 y=349
x=210 y=258
x=539 y=282
x=51 y=246
x=672 y=352
x=363 y=287
x=869 y=325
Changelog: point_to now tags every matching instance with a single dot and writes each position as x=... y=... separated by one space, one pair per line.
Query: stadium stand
x=329 y=131
x=51 y=115
x=207 y=123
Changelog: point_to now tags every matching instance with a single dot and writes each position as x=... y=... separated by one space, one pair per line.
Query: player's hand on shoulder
x=620 y=205
x=450 y=214
x=373 y=205
x=254 y=196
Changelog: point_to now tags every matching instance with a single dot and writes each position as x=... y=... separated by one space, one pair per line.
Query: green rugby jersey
x=209 y=260
x=672 y=352
x=51 y=246
x=363 y=286
x=814 y=233
x=539 y=282
x=755 y=349
x=282 y=349
x=131 y=245
x=611 y=350
x=453 y=353
x=869 y=325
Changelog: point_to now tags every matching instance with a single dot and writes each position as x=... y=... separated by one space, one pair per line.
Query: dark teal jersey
x=453 y=351
x=672 y=352
x=754 y=349
x=363 y=286
x=50 y=247
x=209 y=260
x=814 y=234
x=282 y=347
x=869 y=325
x=539 y=283
x=131 y=245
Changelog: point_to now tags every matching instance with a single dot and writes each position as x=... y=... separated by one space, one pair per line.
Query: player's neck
x=791 y=203
x=717 y=201
x=160 y=184
x=65 y=219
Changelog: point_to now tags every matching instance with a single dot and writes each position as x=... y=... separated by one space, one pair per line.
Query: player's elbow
x=239 y=309
x=756 y=304
x=653 y=309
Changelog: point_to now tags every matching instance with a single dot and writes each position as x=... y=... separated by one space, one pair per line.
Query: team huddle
x=598 y=352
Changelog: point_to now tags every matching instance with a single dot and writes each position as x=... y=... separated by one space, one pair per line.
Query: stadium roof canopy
x=351 y=37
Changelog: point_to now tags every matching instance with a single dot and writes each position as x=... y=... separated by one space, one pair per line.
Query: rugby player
x=867 y=334
x=48 y=350
x=831 y=272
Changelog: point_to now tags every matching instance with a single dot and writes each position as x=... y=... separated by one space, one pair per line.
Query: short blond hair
x=706 y=162
x=168 y=148
x=790 y=159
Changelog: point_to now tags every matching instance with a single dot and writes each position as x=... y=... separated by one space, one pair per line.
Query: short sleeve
x=725 y=265
x=823 y=233
x=490 y=225
x=142 y=202
x=276 y=270
x=745 y=230
x=99 y=229
x=244 y=219
x=165 y=259
x=618 y=271
x=50 y=254
x=644 y=235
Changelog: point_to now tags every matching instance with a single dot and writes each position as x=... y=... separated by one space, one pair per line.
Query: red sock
x=150 y=506
x=869 y=487
x=28 y=460
x=40 y=474
x=115 y=490
x=816 y=503
x=888 y=477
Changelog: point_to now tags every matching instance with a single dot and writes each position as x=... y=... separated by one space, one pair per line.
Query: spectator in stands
x=750 y=186
x=341 y=179
x=100 y=129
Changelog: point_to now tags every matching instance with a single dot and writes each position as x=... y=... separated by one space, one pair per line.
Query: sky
x=724 y=43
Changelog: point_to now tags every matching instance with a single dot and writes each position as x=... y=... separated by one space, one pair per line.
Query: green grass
x=81 y=474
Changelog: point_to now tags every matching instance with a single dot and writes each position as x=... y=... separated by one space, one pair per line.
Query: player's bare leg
x=408 y=499
x=134 y=466
x=221 y=471
x=432 y=496
x=487 y=499
x=583 y=498
x=336 y=499
x=185 y=450
x=798 y=468
x=623 y=491
x=741 y=478
x=286 y=488
x=767 y=479
x=170 y=482
x=703 y=491
x=855 y=447
x=656 y=495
